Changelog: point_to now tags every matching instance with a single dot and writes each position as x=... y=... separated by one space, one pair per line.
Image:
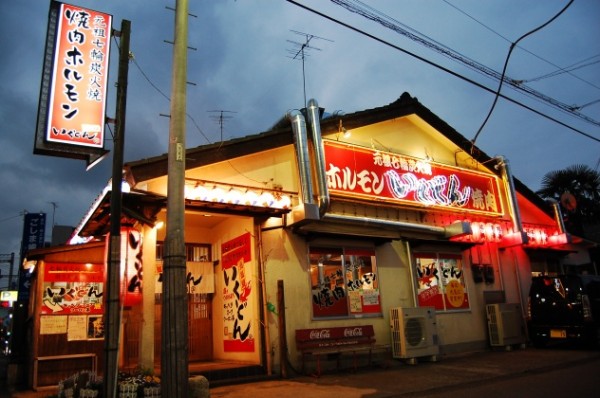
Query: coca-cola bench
x=319 y=342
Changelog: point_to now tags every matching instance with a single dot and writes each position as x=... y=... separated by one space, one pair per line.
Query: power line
x=390 y=23
x=560 y=71
x=442 y=68
x=519 y=47
x=512 y=47
x=168 y=98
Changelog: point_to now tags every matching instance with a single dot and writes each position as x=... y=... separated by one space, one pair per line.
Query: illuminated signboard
x=71 y=112
x=76 y=110
x=365 y=173
x=72 y=288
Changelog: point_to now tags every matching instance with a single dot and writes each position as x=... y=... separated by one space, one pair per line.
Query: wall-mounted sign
x=237 y=295
x=71 y=113
x=369 y=174
x=72 y=288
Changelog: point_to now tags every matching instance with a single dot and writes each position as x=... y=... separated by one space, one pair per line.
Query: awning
x=136 y=207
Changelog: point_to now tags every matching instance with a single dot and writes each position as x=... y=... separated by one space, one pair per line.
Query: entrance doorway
x=200 y=327
x=200 y=342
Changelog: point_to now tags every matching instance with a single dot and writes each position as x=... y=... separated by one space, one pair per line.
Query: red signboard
x=366 y=173
x=236 y=249
x=72 y=288
x=76 y=109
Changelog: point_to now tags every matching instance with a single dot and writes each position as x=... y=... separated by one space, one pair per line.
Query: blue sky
x=241 y=64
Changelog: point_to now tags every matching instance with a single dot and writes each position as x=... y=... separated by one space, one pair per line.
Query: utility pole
x=112 y=321
x=174 y=350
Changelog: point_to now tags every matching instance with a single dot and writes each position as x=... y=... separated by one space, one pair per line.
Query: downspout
x=558 y=217
x=265 y=308
x=300 y=143
x=512 y=197
x=319 y=152
x=517 y=225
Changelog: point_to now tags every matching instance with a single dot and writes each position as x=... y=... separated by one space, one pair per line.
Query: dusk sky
x=241 y=63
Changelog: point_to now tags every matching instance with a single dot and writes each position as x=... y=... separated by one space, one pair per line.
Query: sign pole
x=113 y=304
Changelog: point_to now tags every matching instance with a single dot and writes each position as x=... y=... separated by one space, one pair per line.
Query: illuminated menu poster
x=369 y=174
x=441 y=282
x=79 y=80
x=237 y=295
x=72 y=288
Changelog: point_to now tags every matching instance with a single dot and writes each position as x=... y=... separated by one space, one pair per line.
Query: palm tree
x=583 y=185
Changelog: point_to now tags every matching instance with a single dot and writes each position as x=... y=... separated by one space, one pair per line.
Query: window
x=193 y=251
x=344 y=282
x=441 y=282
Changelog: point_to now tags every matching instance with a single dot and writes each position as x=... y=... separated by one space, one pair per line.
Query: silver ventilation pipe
x=309 y=211
x=300 y=142
x=512 y=196
x=558 y=217
x=319 y=152
x=386 y=223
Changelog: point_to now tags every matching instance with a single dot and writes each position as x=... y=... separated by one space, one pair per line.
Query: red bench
x=335 y=340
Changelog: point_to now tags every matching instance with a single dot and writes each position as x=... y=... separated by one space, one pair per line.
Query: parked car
x=564 y=308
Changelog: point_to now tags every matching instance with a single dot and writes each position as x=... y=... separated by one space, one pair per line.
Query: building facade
x=328 y=221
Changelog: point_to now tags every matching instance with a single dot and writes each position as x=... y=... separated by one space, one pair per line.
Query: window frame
x=353 y=289
x=436 y=295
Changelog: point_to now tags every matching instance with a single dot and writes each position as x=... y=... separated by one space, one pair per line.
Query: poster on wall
x=237 y=295
x=72 y=288
x=53 y=324
x=76 y=329
x=441 y=281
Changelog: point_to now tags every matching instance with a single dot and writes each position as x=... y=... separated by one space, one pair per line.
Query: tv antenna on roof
x=220 y=118
x=300 y=52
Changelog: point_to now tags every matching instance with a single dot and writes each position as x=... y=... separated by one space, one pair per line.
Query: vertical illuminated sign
x=77 y=98
x=34 y=232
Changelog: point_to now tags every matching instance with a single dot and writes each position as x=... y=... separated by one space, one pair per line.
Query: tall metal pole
x=113 y=306
x=174 y=350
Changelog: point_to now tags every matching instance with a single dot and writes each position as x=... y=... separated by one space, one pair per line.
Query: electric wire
x=589 y=103
x=512 y=47
x=442 y=68
x=522 y=48
x=13 y=217
x=169 y=99
x=193 y=121
x=566 y=69
x=392 y=24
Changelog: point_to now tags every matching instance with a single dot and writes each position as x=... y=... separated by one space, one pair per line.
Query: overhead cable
x=442 y=68
x=512 y=46
x=522 y=48
x=390 y=23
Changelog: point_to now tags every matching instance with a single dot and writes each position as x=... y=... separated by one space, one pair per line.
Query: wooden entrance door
x=200 y=342
x=200 y=327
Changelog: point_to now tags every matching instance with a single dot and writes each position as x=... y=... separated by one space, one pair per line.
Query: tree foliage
x=584 y=184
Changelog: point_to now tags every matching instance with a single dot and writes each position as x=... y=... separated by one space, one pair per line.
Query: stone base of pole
x=199 y=387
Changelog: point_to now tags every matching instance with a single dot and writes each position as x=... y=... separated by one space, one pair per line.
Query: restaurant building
x=322 y=221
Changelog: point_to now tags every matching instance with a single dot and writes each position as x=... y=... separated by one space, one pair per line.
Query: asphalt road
x=581 y=380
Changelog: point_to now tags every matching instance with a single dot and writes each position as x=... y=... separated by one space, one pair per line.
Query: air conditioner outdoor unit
x=505 y=324
x=414 y=334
